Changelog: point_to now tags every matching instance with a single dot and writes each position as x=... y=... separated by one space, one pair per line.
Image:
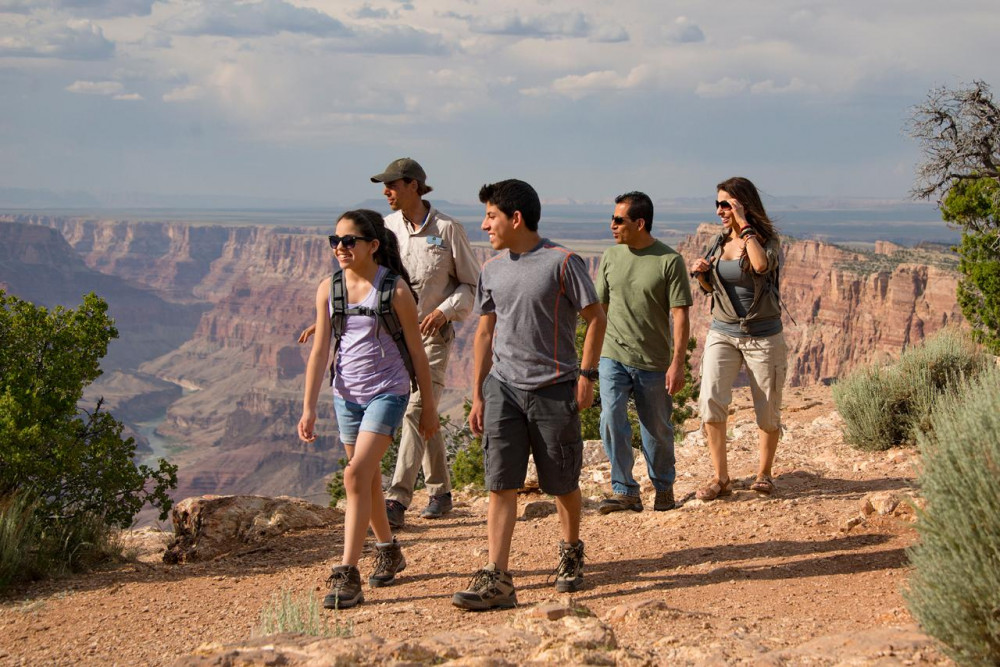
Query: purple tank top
x=368 y=363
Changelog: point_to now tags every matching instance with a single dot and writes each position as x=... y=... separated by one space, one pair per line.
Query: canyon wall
x=216 y=311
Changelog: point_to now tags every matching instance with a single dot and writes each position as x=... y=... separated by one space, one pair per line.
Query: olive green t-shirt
x=640 y=287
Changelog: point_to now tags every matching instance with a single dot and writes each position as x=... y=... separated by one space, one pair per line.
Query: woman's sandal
x=715 y=489
x=764 y=485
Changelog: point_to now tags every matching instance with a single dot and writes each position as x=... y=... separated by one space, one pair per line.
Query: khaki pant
x=414 y=453
x=766 y=362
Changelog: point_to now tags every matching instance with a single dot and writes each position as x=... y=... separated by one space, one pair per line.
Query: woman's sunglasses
x=347 y=240
x=723 y=204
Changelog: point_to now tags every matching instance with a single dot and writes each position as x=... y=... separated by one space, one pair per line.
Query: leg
x=435 y=459
x=654 y=407
x=768 y=445
x=359 y=479
x=715 y=433
x=500 y=520
x=569 y=506
x=409 y=456
x=616 y=433
x=719 y=367
x=766 y=360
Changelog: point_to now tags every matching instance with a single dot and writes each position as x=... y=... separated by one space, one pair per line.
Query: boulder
x=538 y=510
x=207 y=527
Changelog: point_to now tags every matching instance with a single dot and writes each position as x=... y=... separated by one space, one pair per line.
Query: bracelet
x=747 y=231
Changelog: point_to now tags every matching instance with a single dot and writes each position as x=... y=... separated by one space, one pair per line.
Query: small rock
x=633 y=610
x=538 y=509
x=851 y=523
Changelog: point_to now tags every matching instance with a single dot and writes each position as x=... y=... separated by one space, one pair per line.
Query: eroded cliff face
x=251 y=290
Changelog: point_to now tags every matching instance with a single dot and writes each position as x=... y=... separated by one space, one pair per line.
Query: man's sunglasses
x=618 y=220
x=723 y=204
x=347 y=240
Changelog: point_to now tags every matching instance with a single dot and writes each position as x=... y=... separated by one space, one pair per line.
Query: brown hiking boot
x=619 y=502
x=664 y=500
x=490 y=589
x=345 y=588
x=389 y=561
x=569 y=572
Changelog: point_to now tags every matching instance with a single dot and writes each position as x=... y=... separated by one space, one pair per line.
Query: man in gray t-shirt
x=528 y=387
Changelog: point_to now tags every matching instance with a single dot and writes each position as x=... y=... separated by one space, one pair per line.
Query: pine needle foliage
x=955 y=589
x=888 y=406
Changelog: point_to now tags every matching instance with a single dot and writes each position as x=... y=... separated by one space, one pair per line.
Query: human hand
x=675 y=379
x=306 y=426
x=584 y=393
x=429 y=422
x=476 y=416
x=307 y=333
x=433 y=322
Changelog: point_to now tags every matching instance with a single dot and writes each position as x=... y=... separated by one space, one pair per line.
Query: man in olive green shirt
x=642 y=283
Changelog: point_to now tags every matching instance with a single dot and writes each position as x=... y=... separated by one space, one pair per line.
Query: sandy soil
x=738 y=579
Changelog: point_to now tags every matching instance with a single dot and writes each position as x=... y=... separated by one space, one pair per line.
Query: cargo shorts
x=544 y=423
x=766 y=360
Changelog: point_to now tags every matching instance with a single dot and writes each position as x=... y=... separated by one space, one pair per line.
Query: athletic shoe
x=345 y=588
x=437 y=506
x=664 y=500
x=569 y=572
x=619 y=502
x=395 y=510
x=389 y=562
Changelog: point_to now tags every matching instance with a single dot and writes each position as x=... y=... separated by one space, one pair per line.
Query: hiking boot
x=619 y=502
x=395 y=510
x=664 y=500
x=388 y=562
x=345 y=588
x=437 y=506
x=490 y=589
x=569 y=572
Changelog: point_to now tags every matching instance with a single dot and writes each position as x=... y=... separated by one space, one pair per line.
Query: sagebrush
x=955 y=589
x=888 y=406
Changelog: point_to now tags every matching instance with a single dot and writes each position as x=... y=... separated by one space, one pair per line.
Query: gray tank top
x=739 y=288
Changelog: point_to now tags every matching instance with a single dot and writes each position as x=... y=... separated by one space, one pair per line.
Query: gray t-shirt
x=536 y=296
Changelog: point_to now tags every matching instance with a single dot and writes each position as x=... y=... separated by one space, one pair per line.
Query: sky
x=300 y=102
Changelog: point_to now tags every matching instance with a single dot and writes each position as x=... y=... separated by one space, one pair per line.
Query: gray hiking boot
x=345 y=588
x=664 y=500
x=619 y=502
x=437 y=506
x=569 y=572
x=395 y=510
x=389 y=562
x=490 y=589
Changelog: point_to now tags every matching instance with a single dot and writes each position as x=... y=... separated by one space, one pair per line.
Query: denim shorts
x=382 y=414
x=544 y=423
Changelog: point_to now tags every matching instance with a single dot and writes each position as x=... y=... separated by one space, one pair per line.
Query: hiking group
x=386 y=318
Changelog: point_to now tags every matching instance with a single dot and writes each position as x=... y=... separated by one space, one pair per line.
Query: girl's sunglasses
x=723 y=204
x=348 y=240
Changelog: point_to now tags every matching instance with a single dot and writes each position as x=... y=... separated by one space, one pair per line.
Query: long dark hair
x=744 y=191
x=370 y=223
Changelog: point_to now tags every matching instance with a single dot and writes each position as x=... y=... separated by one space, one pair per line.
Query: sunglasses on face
x=348 y=240
x=723 y=204
x=618 y=220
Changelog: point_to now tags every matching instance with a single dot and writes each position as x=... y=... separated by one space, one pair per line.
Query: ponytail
x=387 y=255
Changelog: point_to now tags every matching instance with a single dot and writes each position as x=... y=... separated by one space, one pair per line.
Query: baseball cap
x=404 y=167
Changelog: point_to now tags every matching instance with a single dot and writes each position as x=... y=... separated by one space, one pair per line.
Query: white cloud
x=724 y=87
x=106 y=8
x=229 y=18
x=95 y=87
x=545 y=26
x=128 y=97
x=72 y=40
x=684 y=31
x=577 y=86
x=795 y=85
x=184 y=94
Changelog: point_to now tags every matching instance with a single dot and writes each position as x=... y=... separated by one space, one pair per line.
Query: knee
x=354 y=480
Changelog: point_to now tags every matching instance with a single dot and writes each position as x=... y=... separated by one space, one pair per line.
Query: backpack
x=383 y=311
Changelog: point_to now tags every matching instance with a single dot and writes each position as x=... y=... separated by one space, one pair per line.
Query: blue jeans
x=654 y=406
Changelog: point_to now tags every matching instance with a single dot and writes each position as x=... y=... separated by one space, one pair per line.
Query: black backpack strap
x=338 y=299
x=392 y=325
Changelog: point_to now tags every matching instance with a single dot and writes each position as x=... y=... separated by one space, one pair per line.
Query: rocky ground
x=811 y=575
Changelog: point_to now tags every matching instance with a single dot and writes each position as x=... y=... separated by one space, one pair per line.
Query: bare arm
x=682 y=332
x=405 y=308
x=597 y=323
x=482 y=355
x=316 y=366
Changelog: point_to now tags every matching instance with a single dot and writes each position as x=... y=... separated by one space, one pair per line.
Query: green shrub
x=884 y=407
x=286 y=613
x=465 y=451
x=955 y=589
x=335 y=487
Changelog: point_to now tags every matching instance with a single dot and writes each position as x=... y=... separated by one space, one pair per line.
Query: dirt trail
x=790 y=579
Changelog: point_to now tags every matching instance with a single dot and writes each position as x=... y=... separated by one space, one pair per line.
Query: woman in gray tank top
x=741 y=274
x=371 y=391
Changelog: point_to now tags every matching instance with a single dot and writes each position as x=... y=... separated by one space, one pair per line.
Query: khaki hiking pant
x=414 y=453
x=766 y=360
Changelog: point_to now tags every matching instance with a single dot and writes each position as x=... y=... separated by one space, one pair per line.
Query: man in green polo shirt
x=642 y=283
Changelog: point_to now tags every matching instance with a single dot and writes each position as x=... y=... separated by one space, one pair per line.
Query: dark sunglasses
x=348 y=240
x=723 y=204
x=618 y=220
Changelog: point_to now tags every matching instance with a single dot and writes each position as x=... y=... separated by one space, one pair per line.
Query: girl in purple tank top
x=371 y=393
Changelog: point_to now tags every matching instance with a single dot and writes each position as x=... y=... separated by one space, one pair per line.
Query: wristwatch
x=589 y=373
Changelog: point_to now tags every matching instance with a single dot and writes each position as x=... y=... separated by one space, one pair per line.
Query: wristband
x=590 y=373
x=747 y=231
